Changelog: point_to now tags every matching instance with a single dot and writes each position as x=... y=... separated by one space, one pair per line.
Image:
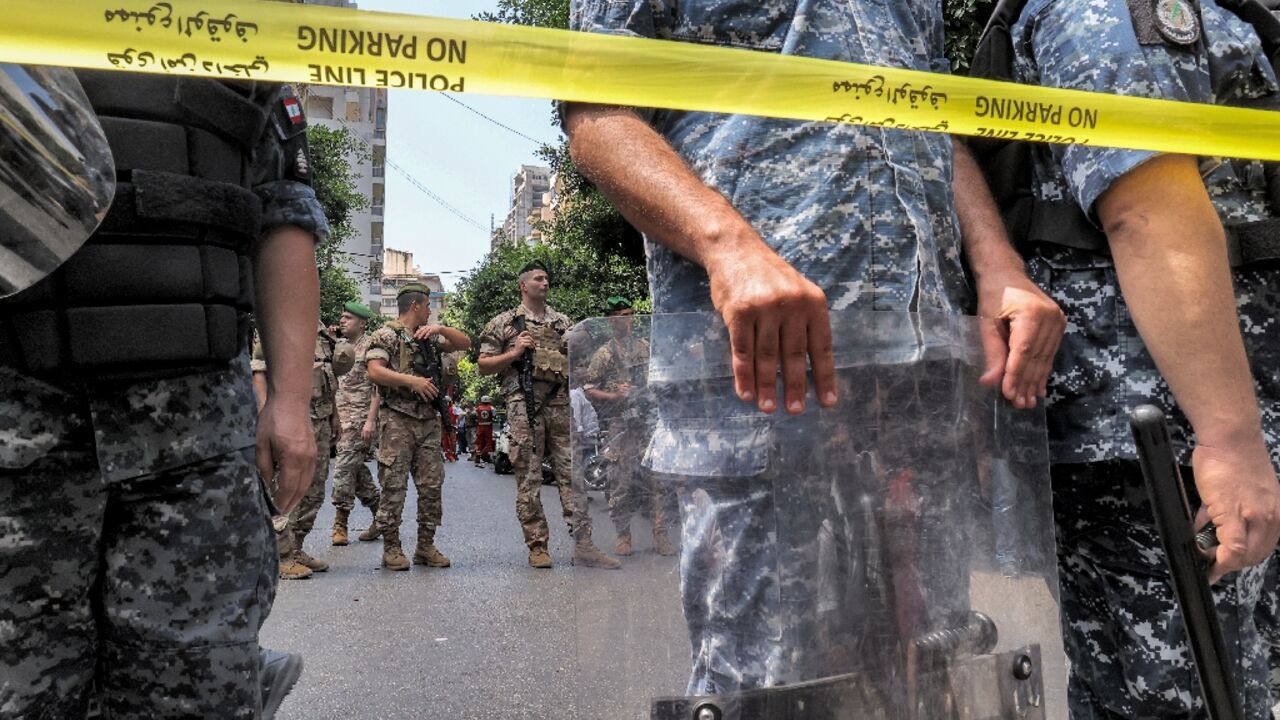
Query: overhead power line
x=508 y=128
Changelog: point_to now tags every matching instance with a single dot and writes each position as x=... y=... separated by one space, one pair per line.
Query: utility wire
x=508 y=128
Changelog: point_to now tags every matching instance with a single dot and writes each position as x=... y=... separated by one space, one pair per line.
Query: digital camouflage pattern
x=135 y=539
x=408 y=441
x=865 y=213
x=1103 y=370
x=351 y=476
x=97 y=562
x=499 y=336
x=1122 y=630
x=324 y=385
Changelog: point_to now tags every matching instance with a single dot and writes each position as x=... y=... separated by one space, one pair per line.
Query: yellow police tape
x=253 y=39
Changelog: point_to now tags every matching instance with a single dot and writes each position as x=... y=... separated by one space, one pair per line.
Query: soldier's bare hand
x=367 y=432
x=524 y=341
x=777 y=319
x=425 y=389
x=286 y=444
x=426 y=332
x=1022 y=331
x=1241 y=495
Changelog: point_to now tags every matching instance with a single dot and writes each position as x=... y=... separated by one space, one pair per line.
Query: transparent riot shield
x=892 y=557
x=57 y=177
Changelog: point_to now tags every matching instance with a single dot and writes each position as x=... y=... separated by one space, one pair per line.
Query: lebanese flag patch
x=293 y=109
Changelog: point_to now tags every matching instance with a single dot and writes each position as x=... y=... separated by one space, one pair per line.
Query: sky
x=464 y=159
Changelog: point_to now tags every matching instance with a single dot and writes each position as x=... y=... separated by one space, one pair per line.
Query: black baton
x=1187 y=564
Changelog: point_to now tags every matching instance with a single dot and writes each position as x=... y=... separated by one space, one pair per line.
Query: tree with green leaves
x=333 y=154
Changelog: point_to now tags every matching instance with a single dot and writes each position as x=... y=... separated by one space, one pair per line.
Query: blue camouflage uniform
x=1124 y=638
x=137 y=558
x=865 y=213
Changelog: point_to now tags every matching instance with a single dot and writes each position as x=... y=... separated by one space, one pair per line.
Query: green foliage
x=965 y=20
x=581 y=278
x=474 y=385
x=541 y=13
x=332 y=154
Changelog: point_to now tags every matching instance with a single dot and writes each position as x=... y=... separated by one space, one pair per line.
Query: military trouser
x=147 y=592
x=632 y=487
x=772 y=529
x=1124 y=635
x=351 y=476
x=548 y=438
x=303 y=517
x=1267 y=616
x=409 y=445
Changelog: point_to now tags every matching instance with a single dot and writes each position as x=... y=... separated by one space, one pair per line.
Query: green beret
x=617 y=302
x=358 y=309
x=414 y=287
x=534 y=265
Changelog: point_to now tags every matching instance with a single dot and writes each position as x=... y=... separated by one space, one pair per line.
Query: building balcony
x=377 y=210
x=379 y=171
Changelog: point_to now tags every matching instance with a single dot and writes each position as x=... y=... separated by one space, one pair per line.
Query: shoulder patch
x=287 y=115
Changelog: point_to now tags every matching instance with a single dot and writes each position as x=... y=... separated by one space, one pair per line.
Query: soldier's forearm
x=384 y=376
x=288 y=301
x=457 y=339
x=1170 y=255
x=494 y=364
x=374 y=403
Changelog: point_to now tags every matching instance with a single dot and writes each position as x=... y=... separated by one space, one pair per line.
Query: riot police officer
x=129 y=487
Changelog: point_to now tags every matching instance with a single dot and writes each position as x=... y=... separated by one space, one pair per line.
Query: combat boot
x=373 y=533
x=623 y=546
x=314 y=564
x=427 y=554
x=539 y=557
x=291 y=569
x=278 y=673
x=662 y=544
x=586 y=554
x=340 y=527
x=392 y=556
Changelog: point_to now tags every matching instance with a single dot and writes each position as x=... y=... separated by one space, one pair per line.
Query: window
x=320 y=108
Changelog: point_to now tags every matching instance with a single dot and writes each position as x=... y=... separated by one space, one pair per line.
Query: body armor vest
x=550 y=363
x=415 y=358
x=1008 y=164
x=165 y=285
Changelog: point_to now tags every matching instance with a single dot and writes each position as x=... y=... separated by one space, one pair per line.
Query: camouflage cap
x=414 y=287
x=360 y=310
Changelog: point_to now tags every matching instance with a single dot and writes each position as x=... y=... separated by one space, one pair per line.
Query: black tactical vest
x=1008 y=164
x=164 y=286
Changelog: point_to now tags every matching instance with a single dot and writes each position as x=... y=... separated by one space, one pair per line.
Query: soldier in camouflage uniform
x=1164 y=219
x=358 y=426
x=771 y=222
x=136 y=558
x=404 y=362
x=615 y=381
x=538 y=414
x=332 y=359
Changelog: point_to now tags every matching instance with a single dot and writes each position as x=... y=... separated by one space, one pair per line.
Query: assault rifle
x=1187 y=561
x=426 y=363
x=524 y=366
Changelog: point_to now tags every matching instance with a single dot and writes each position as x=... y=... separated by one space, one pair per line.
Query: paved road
x=492 y=639
x=488 y=638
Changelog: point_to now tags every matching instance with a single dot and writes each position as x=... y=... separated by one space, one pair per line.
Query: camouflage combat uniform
x=548 y=437
x=408 y=442
x=351 y=476
x=1124 y=637
x=136 y=558
x=324 y=388
x=866 y=213
x=632 y=487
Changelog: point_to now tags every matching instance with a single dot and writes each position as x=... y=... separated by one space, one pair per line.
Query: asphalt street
x=491 y=638
x=487 y=638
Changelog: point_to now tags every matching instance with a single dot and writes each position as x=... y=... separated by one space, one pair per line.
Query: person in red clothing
x=449 y=434
x=485 y=415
